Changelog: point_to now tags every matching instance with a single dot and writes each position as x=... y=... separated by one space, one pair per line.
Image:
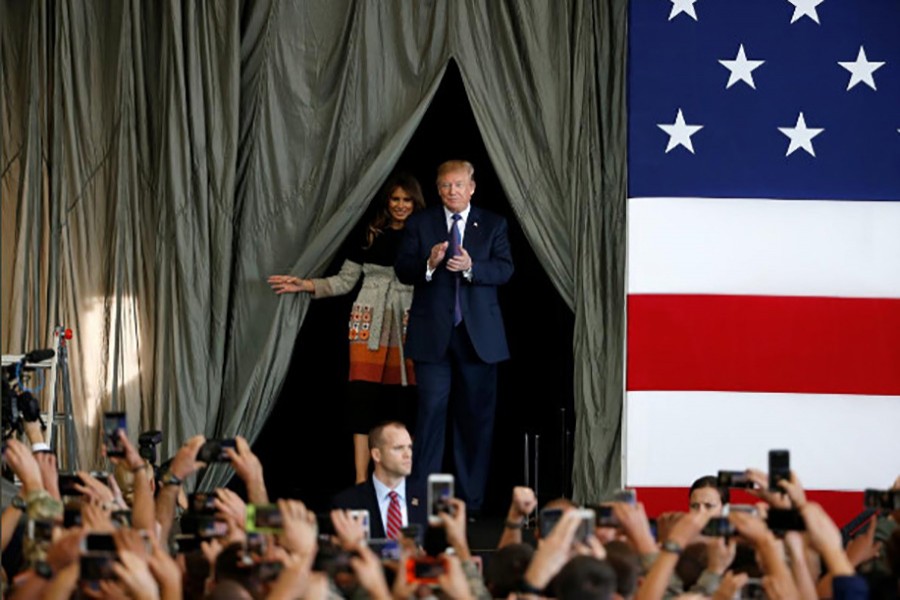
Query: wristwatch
x=670 y=546
x=169 y=478
x=43 y=570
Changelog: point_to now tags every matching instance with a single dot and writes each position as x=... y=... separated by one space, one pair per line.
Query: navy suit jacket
x=431 y=313
x=362 y=497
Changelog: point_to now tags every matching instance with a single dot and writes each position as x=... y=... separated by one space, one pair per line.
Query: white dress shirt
x=383 y=494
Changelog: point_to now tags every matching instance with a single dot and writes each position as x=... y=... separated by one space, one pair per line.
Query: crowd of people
x=135 y=533
x=426 y=317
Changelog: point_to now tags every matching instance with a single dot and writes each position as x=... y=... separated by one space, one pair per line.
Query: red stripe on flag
x=842 y=507
x=764 y=344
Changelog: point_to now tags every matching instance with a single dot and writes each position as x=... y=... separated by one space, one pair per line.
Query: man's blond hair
x=451 y=166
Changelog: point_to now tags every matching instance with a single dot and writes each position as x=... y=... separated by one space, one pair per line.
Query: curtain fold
x=160 y=160
x=558 y=146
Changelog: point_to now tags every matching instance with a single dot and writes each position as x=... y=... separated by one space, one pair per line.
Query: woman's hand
x=288 y=284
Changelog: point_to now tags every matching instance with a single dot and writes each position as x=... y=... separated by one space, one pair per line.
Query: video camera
x=19 y=404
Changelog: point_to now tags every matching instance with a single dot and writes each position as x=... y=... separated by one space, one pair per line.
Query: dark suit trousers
x=466 y=387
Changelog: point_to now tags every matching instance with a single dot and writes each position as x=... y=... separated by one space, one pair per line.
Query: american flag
x=764 y=244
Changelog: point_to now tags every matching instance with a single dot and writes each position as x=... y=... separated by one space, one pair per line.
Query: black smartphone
x=605 y=516
x=72 y=516
x=733 y=479
x=256 y=543
x=780 y=520
x=779 y=468
x=187 y=543
x=719 y=527
x=112 y=423
x=547 y=520
x=67 y=483
x=214 y=450
x=202 y=503
x=888 y=500
x=96 y=566
x=99 y=542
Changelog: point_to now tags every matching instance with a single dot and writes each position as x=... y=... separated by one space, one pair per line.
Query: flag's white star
x=805 y=8
x=680 y=133
x=683 y=6
x=741 y=69
x=801 y=136
x=861 y=69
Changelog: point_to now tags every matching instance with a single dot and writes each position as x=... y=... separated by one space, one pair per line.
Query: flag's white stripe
x=837 y=442
x=764 y=247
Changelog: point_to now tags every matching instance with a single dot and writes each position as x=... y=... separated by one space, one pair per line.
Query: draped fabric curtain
x=159 y=160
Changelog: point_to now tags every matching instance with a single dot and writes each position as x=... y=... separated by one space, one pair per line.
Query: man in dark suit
x=390 y=447
x=456 y=256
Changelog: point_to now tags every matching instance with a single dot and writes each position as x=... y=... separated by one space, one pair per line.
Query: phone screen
x=440 y=491
x=214 y=450
x=549 y=517
x=425 y=569
x=362 y=516
x=264 y=518
x=112 y=423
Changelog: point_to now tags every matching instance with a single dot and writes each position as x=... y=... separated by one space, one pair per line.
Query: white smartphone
x=363 y=517
x=440 y=490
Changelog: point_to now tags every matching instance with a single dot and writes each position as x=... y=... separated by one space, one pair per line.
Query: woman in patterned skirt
x=380 y=376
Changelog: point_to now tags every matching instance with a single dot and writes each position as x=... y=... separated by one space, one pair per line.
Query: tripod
x=63 y=417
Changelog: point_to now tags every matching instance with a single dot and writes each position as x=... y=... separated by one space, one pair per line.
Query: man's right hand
x=523 y=503
x=185 y=462
x=438 y=251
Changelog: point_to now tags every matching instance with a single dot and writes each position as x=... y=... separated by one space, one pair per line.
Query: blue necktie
x=455 y=250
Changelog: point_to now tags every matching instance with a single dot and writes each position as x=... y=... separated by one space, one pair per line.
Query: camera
x=19 y=405
x=147 y=443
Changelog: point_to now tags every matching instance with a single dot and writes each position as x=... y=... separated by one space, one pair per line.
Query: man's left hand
x=460 y=263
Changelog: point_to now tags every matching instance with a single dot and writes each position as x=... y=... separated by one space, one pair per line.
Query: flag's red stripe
x=764 y=344
x=841 y=506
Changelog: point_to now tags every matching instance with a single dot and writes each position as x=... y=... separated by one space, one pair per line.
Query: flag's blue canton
x=740 y=152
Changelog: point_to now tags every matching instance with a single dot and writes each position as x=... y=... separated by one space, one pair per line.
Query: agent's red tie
x=394 y=517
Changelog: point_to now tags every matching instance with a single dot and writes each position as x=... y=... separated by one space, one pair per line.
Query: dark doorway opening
x=305 y=447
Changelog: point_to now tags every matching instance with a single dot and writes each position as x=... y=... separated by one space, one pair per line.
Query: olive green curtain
x=160 y=159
